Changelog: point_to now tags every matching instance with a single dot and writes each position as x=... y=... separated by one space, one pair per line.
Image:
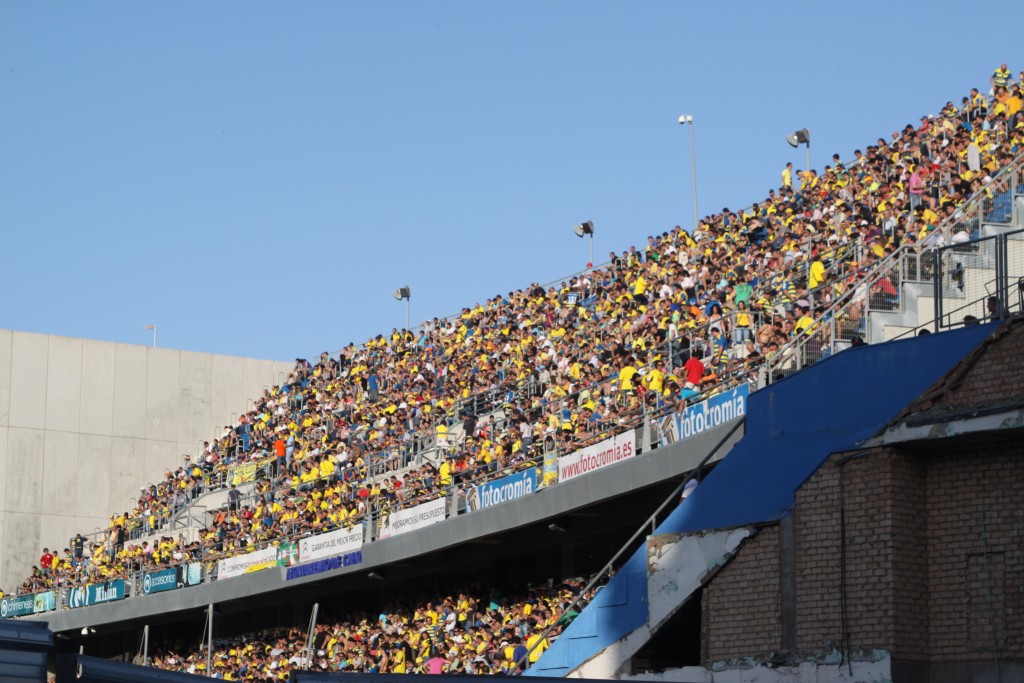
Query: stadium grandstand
x=517 y=397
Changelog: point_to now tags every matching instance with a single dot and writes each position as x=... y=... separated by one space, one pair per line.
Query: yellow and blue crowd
x=557 y=367
x=473 y=630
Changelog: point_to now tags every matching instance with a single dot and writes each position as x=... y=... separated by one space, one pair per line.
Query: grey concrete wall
x=84 y=424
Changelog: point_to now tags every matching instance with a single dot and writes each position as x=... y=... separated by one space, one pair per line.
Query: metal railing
x=993 y=204
x=965 y=296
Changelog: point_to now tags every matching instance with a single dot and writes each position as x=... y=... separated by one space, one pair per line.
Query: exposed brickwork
x=910 y=559
x=869 y=528
x=934 y=543
x=741 y=605
x=990 y=375
x=974 y=497
x=917 y=581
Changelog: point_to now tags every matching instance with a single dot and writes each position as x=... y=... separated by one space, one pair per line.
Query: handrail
x=650 y=522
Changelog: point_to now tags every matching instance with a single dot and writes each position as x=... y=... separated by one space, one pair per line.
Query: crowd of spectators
x=475 y=630
x=555 y=368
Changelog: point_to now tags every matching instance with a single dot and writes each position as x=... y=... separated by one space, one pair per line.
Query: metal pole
x=693 y=173
x=808 y=157
x=209 y=640
x=309 y=638
x=145 y=645
x=408 y=311
x=591 y=262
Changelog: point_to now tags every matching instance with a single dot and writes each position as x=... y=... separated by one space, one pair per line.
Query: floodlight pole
x=688 y=119
x=408 y=311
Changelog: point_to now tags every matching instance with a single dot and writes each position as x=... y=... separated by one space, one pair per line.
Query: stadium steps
x=918 y=299
x=754 y=485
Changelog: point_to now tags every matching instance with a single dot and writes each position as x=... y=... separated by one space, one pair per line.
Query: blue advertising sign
x=321 y=566
x=17 y=606
x=705 y=415
x=502 y=490
x=159 y=581
x=96 y=594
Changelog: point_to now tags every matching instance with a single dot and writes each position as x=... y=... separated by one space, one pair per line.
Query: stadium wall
x=84 y=424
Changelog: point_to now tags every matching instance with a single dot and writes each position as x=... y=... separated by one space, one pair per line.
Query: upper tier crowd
x=473 y=631
x=555 y=368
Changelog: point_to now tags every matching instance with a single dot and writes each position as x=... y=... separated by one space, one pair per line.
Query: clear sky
x=255 y=178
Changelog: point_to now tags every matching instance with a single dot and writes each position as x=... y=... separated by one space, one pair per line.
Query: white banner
x=332 y=543
x=608 y=452
x=236 y=566
x=413 y=518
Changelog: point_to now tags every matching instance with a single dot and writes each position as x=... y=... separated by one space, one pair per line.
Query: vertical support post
x=209 y=640
x=309 y=636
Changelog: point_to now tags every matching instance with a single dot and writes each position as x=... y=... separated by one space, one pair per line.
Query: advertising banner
x=45 y=602
x=159 y=581
x=95 y=594
x=17 y=606
x=236 y=566
x=332 y=543
x=502 y=490
x=247 y=471
x=550 y=469
x=416 y=517
x=586 y=460
x=191 y=574
x=287 y=553
x=705 y=415
x=321 y=566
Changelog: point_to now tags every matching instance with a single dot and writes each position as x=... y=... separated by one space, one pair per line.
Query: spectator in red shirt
x=46 y=561
x=694 y=370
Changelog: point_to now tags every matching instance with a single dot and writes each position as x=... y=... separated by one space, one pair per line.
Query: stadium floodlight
x=684 y=120
x=375 y=576
x=404 y=293
x=86 y=632
x=801 y=137
x=582 y=230
x=556 y=528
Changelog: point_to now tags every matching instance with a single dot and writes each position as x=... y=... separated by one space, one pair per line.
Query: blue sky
x=256 y=178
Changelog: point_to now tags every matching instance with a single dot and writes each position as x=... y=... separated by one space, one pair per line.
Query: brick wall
x=934 y=544
x=917 y=579
x=910 y=559
x=990 y=379
x=869 y=528
x=990 y=375
x=741 y=604
x=976 y=501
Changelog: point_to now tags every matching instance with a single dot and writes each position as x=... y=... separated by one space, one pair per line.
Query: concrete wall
x=84 y=424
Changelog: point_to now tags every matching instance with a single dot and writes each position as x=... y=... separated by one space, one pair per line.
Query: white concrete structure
x=84 y=424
